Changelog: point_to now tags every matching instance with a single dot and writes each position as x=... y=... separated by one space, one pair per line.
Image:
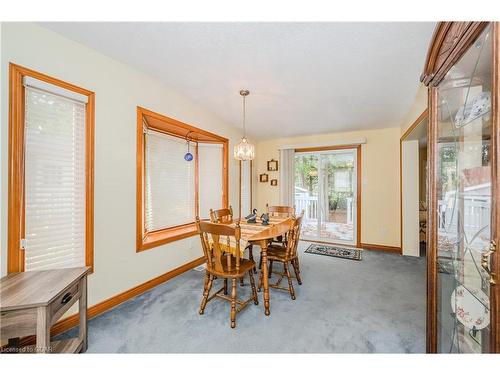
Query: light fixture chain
x=244 y=116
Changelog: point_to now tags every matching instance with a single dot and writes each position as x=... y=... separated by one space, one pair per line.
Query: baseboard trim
x=389 y=249
x=106 y=305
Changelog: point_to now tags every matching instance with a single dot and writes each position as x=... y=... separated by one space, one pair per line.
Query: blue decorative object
x=265 y=219
x=188 y=156
x=252 y=218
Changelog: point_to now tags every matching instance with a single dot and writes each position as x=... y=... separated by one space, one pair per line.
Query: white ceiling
x=303 y=77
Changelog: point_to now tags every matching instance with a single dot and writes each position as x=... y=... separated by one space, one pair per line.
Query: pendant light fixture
x=244 y=150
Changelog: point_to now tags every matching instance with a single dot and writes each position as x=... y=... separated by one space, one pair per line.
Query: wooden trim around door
x=357 y=147
x=358 y=195
x=15 y=255
x=419 y=119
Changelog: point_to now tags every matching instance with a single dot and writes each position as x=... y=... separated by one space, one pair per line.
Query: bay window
x=173 y=191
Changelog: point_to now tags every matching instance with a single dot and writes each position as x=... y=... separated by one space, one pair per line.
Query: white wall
x=119 y=89
x=410 y=193
x=419 y=105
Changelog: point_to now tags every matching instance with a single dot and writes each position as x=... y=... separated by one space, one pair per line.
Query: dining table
x=257 y=234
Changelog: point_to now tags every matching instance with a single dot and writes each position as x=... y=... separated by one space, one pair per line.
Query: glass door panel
x=339 y=187
x=306 y=192
x=325 y=188
x=464 y=127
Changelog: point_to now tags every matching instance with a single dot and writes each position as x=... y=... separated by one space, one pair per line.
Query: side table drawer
x=64 y=301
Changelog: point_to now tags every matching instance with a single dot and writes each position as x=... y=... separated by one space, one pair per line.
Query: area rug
x=335 y=251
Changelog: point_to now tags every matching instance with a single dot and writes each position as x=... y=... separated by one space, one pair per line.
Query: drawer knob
x=66 y=298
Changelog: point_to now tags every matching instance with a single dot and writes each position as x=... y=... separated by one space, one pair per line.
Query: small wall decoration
x=272 y=165
x=274 y=182
x=264 y=177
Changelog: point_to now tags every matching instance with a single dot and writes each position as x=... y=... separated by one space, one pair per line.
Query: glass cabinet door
x=464 y=199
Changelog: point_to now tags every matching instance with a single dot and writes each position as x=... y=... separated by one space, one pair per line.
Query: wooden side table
x=31 y=302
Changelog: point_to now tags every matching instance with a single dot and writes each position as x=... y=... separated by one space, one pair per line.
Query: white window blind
x=210 y=178
x=54 y=180
x=169 y=198
x=245 y=187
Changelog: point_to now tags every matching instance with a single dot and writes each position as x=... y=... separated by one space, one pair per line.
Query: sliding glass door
x=326 y=189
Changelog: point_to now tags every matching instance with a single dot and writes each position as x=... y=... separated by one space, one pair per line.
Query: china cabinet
x=463 y=262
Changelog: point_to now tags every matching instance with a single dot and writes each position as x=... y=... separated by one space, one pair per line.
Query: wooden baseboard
x=72 y=321
x=371 y=246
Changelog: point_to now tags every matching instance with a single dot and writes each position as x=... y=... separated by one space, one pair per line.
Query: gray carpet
x=376 y=305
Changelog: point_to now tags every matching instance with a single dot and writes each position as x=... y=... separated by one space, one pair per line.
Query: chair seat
x=230 y=271
x=277 y=252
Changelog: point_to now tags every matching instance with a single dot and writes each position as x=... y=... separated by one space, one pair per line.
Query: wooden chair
x=223 y=215
x=282 y=211
x=279 y=211
x=222 y=264
x=286 y=254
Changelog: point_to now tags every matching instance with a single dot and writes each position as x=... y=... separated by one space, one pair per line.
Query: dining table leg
x=265 y=274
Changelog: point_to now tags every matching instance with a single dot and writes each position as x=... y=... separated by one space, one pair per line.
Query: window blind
x=54 y=180
x=210 y=178
x=54 y=89
x=169 y=185
x=245 y=187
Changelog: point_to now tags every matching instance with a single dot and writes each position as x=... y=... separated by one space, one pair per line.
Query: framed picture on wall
x=274 y=182
x=264 y=177
x=272 y=165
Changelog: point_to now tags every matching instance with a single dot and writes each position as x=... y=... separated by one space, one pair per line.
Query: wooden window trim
x=16 y=211
x=157 y=122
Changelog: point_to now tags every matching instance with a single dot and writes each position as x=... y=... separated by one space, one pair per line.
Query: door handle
x=485 y=257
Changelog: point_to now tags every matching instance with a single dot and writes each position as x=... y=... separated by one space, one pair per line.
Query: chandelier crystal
x=244 y=150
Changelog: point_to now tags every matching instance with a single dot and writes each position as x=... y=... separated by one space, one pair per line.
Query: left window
x=51 y=173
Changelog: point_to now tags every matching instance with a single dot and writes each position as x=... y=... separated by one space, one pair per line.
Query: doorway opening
x=327 y=189
x=414 y=182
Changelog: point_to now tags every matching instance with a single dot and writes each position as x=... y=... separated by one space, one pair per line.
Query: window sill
x=165 y=236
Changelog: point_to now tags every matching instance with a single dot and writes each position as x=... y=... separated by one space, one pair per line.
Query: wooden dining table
x=258 y=234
